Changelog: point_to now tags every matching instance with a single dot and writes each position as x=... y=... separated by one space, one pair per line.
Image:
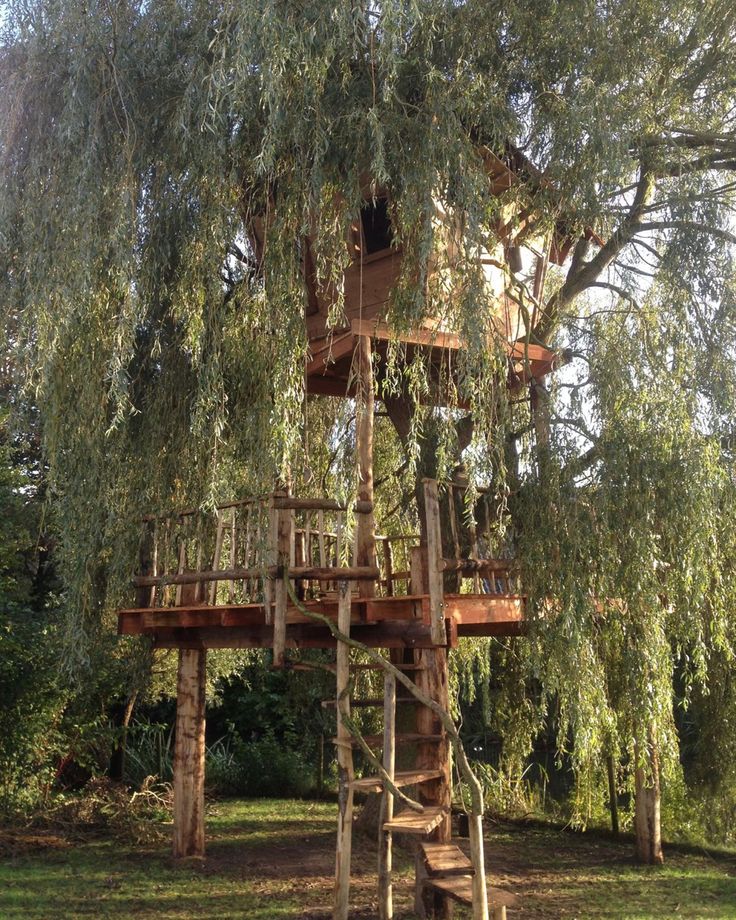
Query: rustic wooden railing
x=245 y=551
x=473 y=546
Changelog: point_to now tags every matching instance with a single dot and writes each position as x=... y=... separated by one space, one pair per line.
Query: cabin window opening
x=376 y=226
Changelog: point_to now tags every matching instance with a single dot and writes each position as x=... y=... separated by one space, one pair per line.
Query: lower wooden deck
x=383 y=622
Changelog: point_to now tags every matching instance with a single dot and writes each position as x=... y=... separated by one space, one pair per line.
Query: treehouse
x=292 y=573
x=516 y=250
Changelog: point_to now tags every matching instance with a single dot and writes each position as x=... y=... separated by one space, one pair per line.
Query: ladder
x=442 y=867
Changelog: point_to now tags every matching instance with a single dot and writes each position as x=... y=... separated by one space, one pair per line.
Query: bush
x=262 y=767
x=149 y=751
x=265 y=766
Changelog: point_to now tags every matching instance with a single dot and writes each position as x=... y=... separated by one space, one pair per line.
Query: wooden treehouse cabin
x=288 y=572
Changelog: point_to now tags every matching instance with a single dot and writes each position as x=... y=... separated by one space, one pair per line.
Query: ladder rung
x=401 y=778
x=399 y=667
x=372 y=703
x=445 y=859
x=401 y=738
x=413 y=822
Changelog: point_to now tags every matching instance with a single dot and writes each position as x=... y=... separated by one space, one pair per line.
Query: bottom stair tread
x=412 y=822
x=457 y=887
x=446 y=859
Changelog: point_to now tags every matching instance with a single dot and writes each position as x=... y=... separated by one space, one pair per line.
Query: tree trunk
x=612 y=793
x=647 y=805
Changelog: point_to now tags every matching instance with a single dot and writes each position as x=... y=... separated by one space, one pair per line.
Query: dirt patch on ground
x=25 y=841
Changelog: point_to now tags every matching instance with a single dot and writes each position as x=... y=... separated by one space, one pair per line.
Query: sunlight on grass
x=273 y=860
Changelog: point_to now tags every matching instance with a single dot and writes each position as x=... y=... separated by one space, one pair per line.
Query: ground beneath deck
x=273 y=860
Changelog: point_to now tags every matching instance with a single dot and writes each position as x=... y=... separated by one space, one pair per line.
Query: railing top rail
x=275 y=499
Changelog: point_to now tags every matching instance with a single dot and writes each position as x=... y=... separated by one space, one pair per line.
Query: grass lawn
x=272 y=860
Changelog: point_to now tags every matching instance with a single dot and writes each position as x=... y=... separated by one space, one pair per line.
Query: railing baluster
x=233 y=552
x=219 y=538
x=154 y=564
x=181 y=565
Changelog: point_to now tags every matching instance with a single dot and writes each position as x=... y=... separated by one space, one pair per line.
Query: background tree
x=137 y=141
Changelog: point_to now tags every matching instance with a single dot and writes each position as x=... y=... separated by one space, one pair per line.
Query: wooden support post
x=366 y=541
x=385 y=856
x=344 y=760
x=432 y=679
x=271 y=559
x=219 y=539
x=180 y=566
x=416 y=571
x=388 y=563
x=477 y=857
x=280 y=587
x=189 y=755
x=234 y=556
x=434 y=563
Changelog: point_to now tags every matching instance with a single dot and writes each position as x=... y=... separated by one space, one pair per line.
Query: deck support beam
x=188 y=837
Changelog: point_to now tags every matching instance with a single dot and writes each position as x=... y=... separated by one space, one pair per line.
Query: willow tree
x=138 y=140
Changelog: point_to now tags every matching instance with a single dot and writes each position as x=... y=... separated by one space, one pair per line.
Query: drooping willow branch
x=476 y=792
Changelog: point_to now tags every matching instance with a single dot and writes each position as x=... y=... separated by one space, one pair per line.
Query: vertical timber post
x=432 y=679
x=280 y=585
x=189 y=754
x=385 y=856
x=434 y=563
x=477 y=857
x=366 y=542
x=344 y=760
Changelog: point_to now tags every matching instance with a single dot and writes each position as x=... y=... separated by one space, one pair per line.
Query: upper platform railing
x=247 y=552
x=229 y=556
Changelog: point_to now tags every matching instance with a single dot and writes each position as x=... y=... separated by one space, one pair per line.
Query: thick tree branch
x=588 y=272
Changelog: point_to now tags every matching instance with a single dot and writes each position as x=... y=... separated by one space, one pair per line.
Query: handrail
x=311 y=573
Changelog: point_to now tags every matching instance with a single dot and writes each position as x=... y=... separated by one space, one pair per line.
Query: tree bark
x=647 y=804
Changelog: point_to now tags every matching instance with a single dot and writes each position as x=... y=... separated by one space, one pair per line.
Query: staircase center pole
x=385 y=856
x=344 y=760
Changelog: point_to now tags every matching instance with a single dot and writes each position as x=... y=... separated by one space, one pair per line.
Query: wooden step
x=412 y=822
x=377 y=667
x=401 y=778
x=376 y=703
x=400 y=737
x=446 y=859
x=457 y=887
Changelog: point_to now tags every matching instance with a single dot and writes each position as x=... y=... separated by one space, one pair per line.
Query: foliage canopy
x=136 y=141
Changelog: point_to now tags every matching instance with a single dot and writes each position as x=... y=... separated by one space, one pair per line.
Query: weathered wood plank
x=446 y=859
x=412 y=822
x=401 y=778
